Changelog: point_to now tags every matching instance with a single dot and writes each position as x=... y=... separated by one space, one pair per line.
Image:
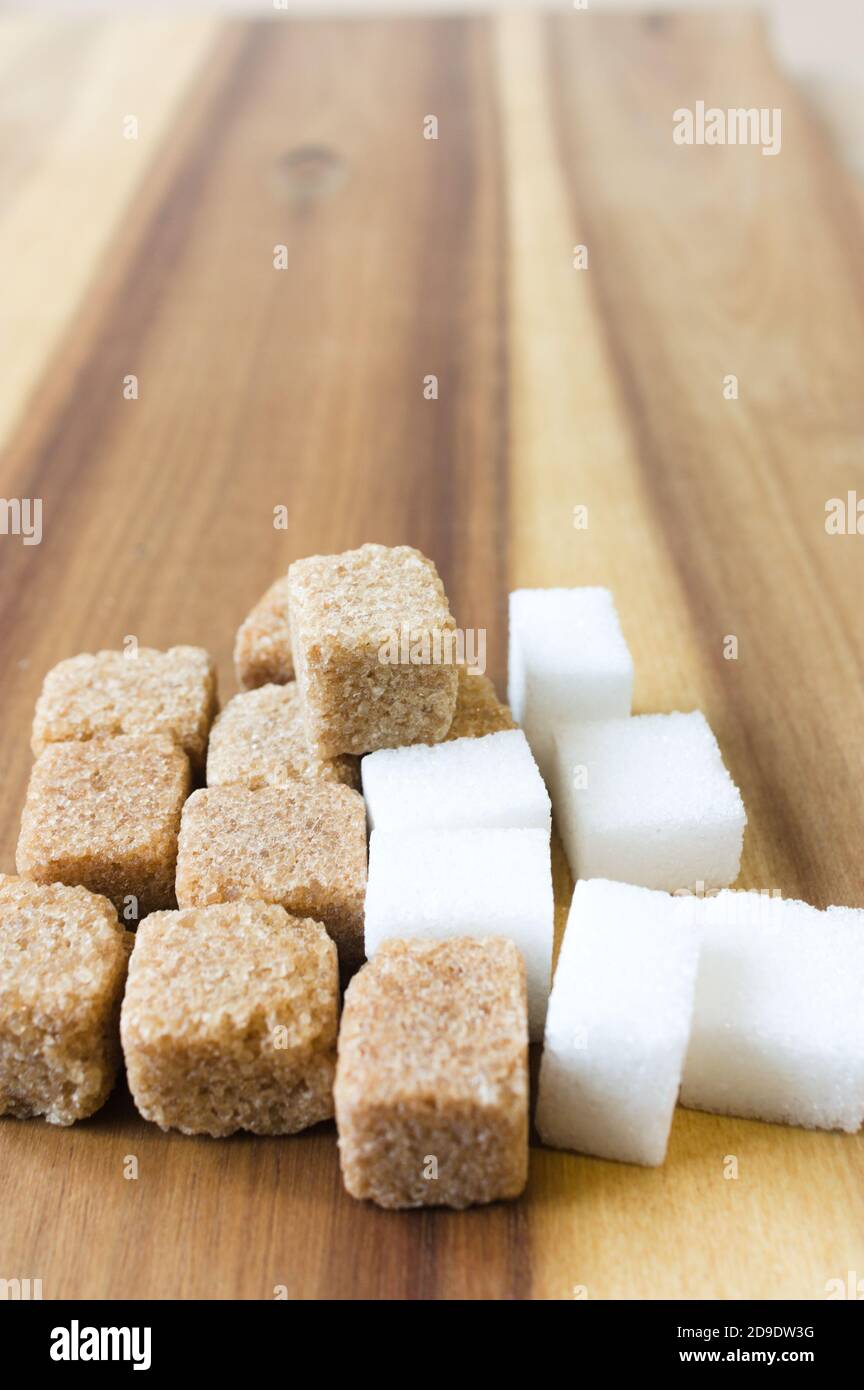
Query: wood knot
x=308 y=172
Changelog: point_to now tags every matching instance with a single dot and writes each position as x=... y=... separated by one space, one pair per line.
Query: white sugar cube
x=618 y=1022
x=470 y=782
x=648 y=801
x=778 y=1023
x=432 y=884
x=568 y=661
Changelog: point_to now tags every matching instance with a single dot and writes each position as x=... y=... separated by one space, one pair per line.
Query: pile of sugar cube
x=236 y=843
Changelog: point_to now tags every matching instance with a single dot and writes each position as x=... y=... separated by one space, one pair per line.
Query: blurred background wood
x=260 y=388
x=820 y=46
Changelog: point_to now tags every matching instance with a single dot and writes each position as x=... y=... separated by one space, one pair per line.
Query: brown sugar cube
x=262 y=648
x=105 y=814
x=229 y=1020
x=63 y=958
x=260 y=740
x=374 y=647
x=478 y=709
x=302 y=845
x=152 y=692
x=432 y=1078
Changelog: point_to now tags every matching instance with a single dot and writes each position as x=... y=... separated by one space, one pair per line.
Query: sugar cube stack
x=262 y=647
x=229 y=1020
x=432 y=1077
x=142 y=691
x=302 y=845
x=63 y=957
x=260 y=740
x=568 y=661
x=778 y=1022
x=466 y=783
x=648 y=801
x=372 y=638
x=618 y=1022
x=434 y=884
x=104 y=813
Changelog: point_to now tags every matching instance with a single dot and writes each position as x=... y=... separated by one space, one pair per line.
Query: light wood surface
x=557 y=387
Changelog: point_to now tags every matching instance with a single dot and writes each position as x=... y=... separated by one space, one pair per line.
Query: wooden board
x=558 y=387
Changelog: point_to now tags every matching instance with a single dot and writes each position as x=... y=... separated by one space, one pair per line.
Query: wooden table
x=303 y=388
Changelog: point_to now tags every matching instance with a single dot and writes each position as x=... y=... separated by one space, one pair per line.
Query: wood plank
x=706 y=516
x=261 y=388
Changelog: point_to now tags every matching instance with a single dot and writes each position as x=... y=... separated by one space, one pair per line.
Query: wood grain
x=303 y=388
x=68 y=170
